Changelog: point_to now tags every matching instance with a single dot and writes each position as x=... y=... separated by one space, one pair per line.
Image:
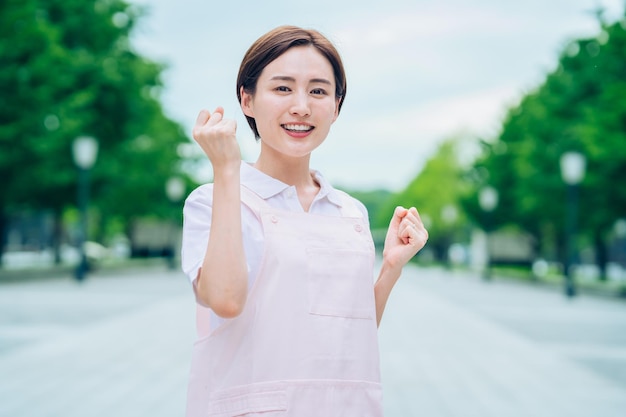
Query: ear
x=246 y=103
x=337 y=102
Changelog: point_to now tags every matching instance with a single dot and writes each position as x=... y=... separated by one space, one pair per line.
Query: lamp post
x=620 y=234
x=174 y=189
x=84 y=151
x=488 y=200
x=572 y=172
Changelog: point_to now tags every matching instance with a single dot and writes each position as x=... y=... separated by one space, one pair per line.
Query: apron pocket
x=340 y=283
x=224 y=404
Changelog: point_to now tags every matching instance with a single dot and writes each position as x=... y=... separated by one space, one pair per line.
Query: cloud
x=428 y=23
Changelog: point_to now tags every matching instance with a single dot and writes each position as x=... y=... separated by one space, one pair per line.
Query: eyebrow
x=312 y=80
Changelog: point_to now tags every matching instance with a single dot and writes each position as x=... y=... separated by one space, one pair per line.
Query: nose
x=300 y=105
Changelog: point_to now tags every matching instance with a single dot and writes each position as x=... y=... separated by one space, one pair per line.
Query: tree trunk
x=4 y=223
x=57 y=236
x=102 y=228
x=601 y=251
x=561 y=251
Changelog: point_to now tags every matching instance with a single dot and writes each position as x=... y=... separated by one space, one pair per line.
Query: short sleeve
x=361 y=207
x=196 y=228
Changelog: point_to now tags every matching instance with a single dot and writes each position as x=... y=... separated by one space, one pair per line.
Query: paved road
x=456 y=346
x=451 y=346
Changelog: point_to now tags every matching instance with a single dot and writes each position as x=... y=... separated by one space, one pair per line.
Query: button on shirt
x=198 y=209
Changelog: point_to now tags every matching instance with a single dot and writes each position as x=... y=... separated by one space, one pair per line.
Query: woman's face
x=294 y=104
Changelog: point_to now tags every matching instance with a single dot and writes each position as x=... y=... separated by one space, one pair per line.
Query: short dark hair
x=275 y=43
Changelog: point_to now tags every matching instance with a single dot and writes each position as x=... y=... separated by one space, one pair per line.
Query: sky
x=418 y=72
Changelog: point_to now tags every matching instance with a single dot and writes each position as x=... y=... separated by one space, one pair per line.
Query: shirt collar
x=326 y=190
x=266 y=187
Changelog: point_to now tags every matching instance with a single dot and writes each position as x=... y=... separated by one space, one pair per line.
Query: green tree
x=436 y=192
x=578 y=107
x=67 y=69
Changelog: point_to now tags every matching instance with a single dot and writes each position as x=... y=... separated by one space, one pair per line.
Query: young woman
x=281 y=262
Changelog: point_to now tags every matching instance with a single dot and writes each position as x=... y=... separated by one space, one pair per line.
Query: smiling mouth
x=297 y=128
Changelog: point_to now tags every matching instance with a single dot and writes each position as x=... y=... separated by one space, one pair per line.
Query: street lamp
x=174 y=189
x=620 y=235
x=84 y=151
x=572 y=172
x=488 y=200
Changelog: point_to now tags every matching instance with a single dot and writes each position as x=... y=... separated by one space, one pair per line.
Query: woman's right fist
x=217 y=138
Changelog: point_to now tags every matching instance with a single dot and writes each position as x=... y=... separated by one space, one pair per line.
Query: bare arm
x=405 y=237
x=222 y=282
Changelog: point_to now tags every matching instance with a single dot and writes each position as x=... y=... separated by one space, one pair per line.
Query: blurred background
x=475 y=114
x=504 y=124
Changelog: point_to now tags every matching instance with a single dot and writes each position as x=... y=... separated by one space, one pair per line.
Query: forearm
x=223 y=279
x=405 y=237
x=387 y=279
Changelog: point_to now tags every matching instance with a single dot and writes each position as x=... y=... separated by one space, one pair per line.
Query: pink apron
x=306 y=343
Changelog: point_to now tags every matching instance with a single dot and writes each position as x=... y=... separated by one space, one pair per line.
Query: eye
x=283 y=89
x=319 y=92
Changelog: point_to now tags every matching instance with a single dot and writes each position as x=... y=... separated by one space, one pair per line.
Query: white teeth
x=299 y=128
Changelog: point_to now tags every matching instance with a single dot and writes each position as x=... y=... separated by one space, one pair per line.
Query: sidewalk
x=110 y=346
x=451 y=346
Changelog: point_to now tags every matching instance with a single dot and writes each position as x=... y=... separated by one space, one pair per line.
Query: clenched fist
x=217 y=138
x=405 y=237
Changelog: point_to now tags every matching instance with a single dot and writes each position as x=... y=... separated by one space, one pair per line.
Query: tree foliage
x=436 y=192
x=67 y=69
x=579 y=107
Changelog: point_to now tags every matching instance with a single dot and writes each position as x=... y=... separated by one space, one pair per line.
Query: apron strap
x=348 y=207
x=253 y=201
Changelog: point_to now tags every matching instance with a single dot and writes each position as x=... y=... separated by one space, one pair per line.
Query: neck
x=294 y=171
